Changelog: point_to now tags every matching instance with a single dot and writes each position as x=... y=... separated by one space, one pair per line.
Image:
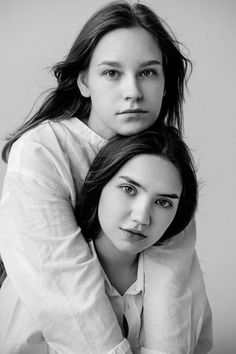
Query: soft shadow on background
x=36 y=34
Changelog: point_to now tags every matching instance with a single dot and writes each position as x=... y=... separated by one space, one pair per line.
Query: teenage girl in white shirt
x=124 y=72
x=141 y=191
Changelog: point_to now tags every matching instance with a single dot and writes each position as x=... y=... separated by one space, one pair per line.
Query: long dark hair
x=166 y=143
x=66 y=101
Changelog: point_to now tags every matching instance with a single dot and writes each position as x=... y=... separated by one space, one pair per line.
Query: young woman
x=124 y=72
x=141 y=191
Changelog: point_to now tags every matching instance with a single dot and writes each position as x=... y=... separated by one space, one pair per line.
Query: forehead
x=124 y=44
x=154 y=173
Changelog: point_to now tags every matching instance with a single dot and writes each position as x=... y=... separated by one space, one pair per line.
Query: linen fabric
x=54 y=281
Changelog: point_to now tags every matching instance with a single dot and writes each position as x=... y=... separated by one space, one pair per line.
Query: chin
x=133 y=130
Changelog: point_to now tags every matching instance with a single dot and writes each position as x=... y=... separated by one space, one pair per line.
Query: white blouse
x=45 y=255
x=128 y=307
x=55 y=290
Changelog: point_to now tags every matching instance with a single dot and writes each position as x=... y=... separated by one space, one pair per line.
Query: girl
x=124 y=72
x=142 y=191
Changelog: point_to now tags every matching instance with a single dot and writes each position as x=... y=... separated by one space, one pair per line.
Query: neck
x=120 y=267
x=111 y=256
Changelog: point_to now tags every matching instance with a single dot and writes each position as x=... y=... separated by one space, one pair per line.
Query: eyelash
x=161 y=202
x=108 y=72
x=117 y=74
x=131 y=188
x=152 y=71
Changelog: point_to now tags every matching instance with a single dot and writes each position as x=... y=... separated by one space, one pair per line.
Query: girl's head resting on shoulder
x=141 y=186
x=124 y=72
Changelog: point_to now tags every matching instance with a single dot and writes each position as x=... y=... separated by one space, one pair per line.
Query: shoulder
x=46 y=148
x=45 y=134
x=66 y=136
x=33 y=143
x=61 y=149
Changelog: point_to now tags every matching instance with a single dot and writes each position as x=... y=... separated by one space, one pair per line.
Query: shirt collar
x=135 y=288
x=86 y=132
x=138 y=285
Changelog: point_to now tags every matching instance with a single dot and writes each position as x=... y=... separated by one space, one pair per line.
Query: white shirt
x=130 y=304
x=47 y=258
x=45 y=255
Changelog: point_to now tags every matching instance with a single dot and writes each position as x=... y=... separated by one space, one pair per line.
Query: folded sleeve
x=176 y=313
x=50 y=264
x=205 y=339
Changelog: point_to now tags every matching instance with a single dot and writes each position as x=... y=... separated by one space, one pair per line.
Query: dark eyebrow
x=130 y=180
x=172 y=196
x=117 y=64
x=151 y=62
x=166 y=195
x=110 y=63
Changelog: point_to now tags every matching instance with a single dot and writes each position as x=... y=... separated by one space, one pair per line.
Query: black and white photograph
x=117 y=177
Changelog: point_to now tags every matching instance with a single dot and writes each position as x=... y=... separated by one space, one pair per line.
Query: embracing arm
x=176 y=312
x=50 y=265
x=205 y=341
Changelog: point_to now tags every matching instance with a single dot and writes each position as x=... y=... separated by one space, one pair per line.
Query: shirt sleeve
x=205 y=340
x=51 y=267
x=166 y=296
x=176 y=314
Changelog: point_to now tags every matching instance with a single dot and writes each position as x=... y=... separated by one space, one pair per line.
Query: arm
x=166 y=304
x=50 y=265
x=205 y=341
x=175 y=302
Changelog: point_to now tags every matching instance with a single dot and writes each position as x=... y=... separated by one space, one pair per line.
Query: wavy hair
x=66 y=101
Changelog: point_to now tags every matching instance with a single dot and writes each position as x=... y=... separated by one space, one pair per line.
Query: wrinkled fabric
x=175 y=298
x=51 y=271
x=46 y=257
x=130 y=304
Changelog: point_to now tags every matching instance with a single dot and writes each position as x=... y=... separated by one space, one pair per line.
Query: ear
x=82 y=83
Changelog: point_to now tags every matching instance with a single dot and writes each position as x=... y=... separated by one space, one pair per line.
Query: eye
x=148 y=73
x=130 y=190
x=112 y=74
x=164 y=203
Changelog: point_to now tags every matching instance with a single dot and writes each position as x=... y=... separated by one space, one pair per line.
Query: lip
x=134 y=111
x=136 y=234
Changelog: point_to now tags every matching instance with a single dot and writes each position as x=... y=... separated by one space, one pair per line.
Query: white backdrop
x=36 y=34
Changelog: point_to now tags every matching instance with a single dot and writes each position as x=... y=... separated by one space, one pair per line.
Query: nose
x=132 y=89
x=141 y=213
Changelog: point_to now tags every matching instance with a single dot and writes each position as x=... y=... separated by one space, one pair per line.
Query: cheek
x=171 y=217
x=155 y=104
x=103 y=211
x=163 y=221
x=157 y=101
x=108 y=209
x=156 y=89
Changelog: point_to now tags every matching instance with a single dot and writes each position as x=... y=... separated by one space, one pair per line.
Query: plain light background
x=36 y=34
